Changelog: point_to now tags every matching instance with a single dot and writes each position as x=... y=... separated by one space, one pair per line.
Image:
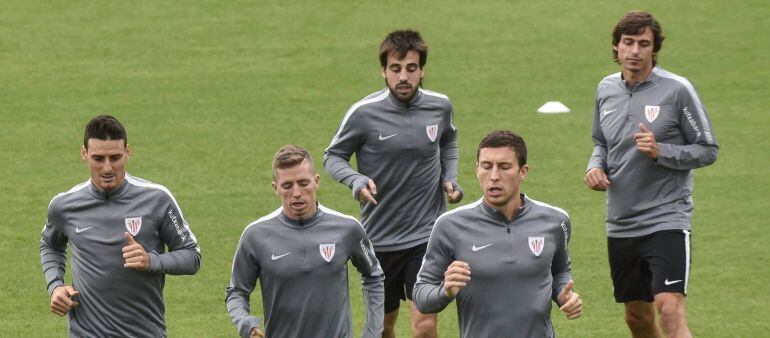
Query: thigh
x=668 y=255
x=630 y=272
x=412 y=268
x=393 y=264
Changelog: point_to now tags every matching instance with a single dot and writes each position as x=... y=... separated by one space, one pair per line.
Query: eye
x=395 y=68
x=115 y=157
x=506 y=166
x=412 y=67
x=644 y=43
x=286 y=185
x=486 y=165
x=98 y=158
x=304 y=183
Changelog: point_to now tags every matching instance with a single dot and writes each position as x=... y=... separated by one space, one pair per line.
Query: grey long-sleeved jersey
x=303 y=274
x=116 y=301
x=409 y=150
x=517 y=268
x=646 y=195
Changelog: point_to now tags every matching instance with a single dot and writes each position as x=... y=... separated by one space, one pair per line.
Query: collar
x=405 y=105
x=651 y=79
x=497 y=215
x=108 y=194
x=301 y=223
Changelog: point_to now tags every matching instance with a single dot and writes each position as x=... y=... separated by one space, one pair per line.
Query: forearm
x=598 y=158
x=686 y=157
x=449 y=161
x=430 y=298
x=237 y=302
x=374 y=295
x=54 y=264
x=178 y=262
x=341 y=171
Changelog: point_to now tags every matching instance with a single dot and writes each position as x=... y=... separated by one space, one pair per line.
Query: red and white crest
x=651 y=112
x=432 y=131
x=536 y=244
x=327 y=251
x=133 y=224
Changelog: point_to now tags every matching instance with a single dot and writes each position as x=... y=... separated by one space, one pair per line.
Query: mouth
x=298 y=205
x=108 y=177
x=494 y=191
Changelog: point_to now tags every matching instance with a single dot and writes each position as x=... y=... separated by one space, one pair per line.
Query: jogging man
x=300 y=252
x=650 y=130
x=406 y=149
x=117 y=228
x=503 y=257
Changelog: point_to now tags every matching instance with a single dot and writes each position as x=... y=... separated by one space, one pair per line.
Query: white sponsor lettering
x=179 y=231
x=692 y=122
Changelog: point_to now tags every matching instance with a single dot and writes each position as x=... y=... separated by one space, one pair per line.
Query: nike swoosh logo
x=274 y=257
x=386 y=137
x=606 y=112
x=671 y=282
x=477 y=248
x=79 y=230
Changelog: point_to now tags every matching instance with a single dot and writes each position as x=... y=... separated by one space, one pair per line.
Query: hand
x=645 y=142
x=452 y=195
x=570 y=302
x=256 y=333
x=134 y=255
x=597 y=180
x=367 y=193
x=61 y=299
x=456 y=277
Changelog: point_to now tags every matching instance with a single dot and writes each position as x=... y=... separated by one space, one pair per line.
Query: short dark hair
x=400 y=43
x=505 y=138
x=634 y=22
x=290 y=156
x=104 y=127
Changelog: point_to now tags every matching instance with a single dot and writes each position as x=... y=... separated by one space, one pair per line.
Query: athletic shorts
x=642 y=267
x=400 y=268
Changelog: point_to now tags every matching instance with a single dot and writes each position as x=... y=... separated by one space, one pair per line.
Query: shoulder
x=607 y=82
x=436 y=98
x=370 y=100
x=549 y=210
x=675 y=82
x=458 y=213
x=262 y=223
x=58 y=201
x=147 y=187
x=345 y=221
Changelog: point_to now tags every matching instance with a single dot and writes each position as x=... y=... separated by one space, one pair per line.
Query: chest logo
x=133 y=224
x=651 y=112
x=327 y=251
x=536 y=245
x=273 y=257
x=432 y=131
x=383 y=138
x=477 y=248
x=78 y=229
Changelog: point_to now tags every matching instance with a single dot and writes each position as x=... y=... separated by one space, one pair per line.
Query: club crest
x=536 y=244
x=133 y=224
x=651 y=112
x=327 y=251
x=432 y=131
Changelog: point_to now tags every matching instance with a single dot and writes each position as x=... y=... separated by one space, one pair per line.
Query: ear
x=317 y=181
x=83 y=153
x=615 y=47
x=523 y=172
x=275 y=188
x=477 y=170
x=128 y=151
x=384 y=76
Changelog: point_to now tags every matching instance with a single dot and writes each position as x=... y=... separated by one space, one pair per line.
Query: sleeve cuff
x=247 y=325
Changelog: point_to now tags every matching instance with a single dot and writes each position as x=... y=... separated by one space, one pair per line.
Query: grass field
x=209 y=90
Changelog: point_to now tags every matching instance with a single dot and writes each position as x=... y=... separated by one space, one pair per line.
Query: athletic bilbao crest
x=536 y=245
x=327 y=251
x=133 y=224
x=651 y=112
x=432 y=131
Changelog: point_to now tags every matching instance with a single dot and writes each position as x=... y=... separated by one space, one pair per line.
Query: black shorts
x=400 y=268
x=643 y=267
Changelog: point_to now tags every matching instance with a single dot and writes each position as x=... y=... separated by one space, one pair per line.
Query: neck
x=633 y=78
x=510 y=209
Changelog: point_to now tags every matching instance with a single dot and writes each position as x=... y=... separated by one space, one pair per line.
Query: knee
x=671 y=313
x=424 y=327
x=640 y=319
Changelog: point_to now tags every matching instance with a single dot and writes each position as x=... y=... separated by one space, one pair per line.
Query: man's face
x=635 y=51
x=403 y=76
x=499 y=175
x=106 y=162
x=297 y=186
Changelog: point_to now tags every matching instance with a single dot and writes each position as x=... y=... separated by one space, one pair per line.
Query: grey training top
x=409 y=150
x=303 y=274
x=517 y=268
x=116 y=301
x=646 y=195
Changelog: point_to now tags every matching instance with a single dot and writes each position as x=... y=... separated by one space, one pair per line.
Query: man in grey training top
x=406 y=149
x=300 y=252
x=650 y=130
x=503 y=257
x=117 y=228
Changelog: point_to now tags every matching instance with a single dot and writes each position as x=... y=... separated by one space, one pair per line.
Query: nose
x=494 y=174
x=402 y=76
x=296 y=191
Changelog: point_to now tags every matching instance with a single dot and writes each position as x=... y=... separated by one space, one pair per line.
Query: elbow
x=711 y=155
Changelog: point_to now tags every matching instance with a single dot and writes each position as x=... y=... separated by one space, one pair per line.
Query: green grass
x=209 y=90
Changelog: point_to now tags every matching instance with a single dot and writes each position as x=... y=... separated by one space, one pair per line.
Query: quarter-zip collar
x=497 y=215
x=405 y=105
x=301 y=223
x=108 y=194
x=647 y=83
